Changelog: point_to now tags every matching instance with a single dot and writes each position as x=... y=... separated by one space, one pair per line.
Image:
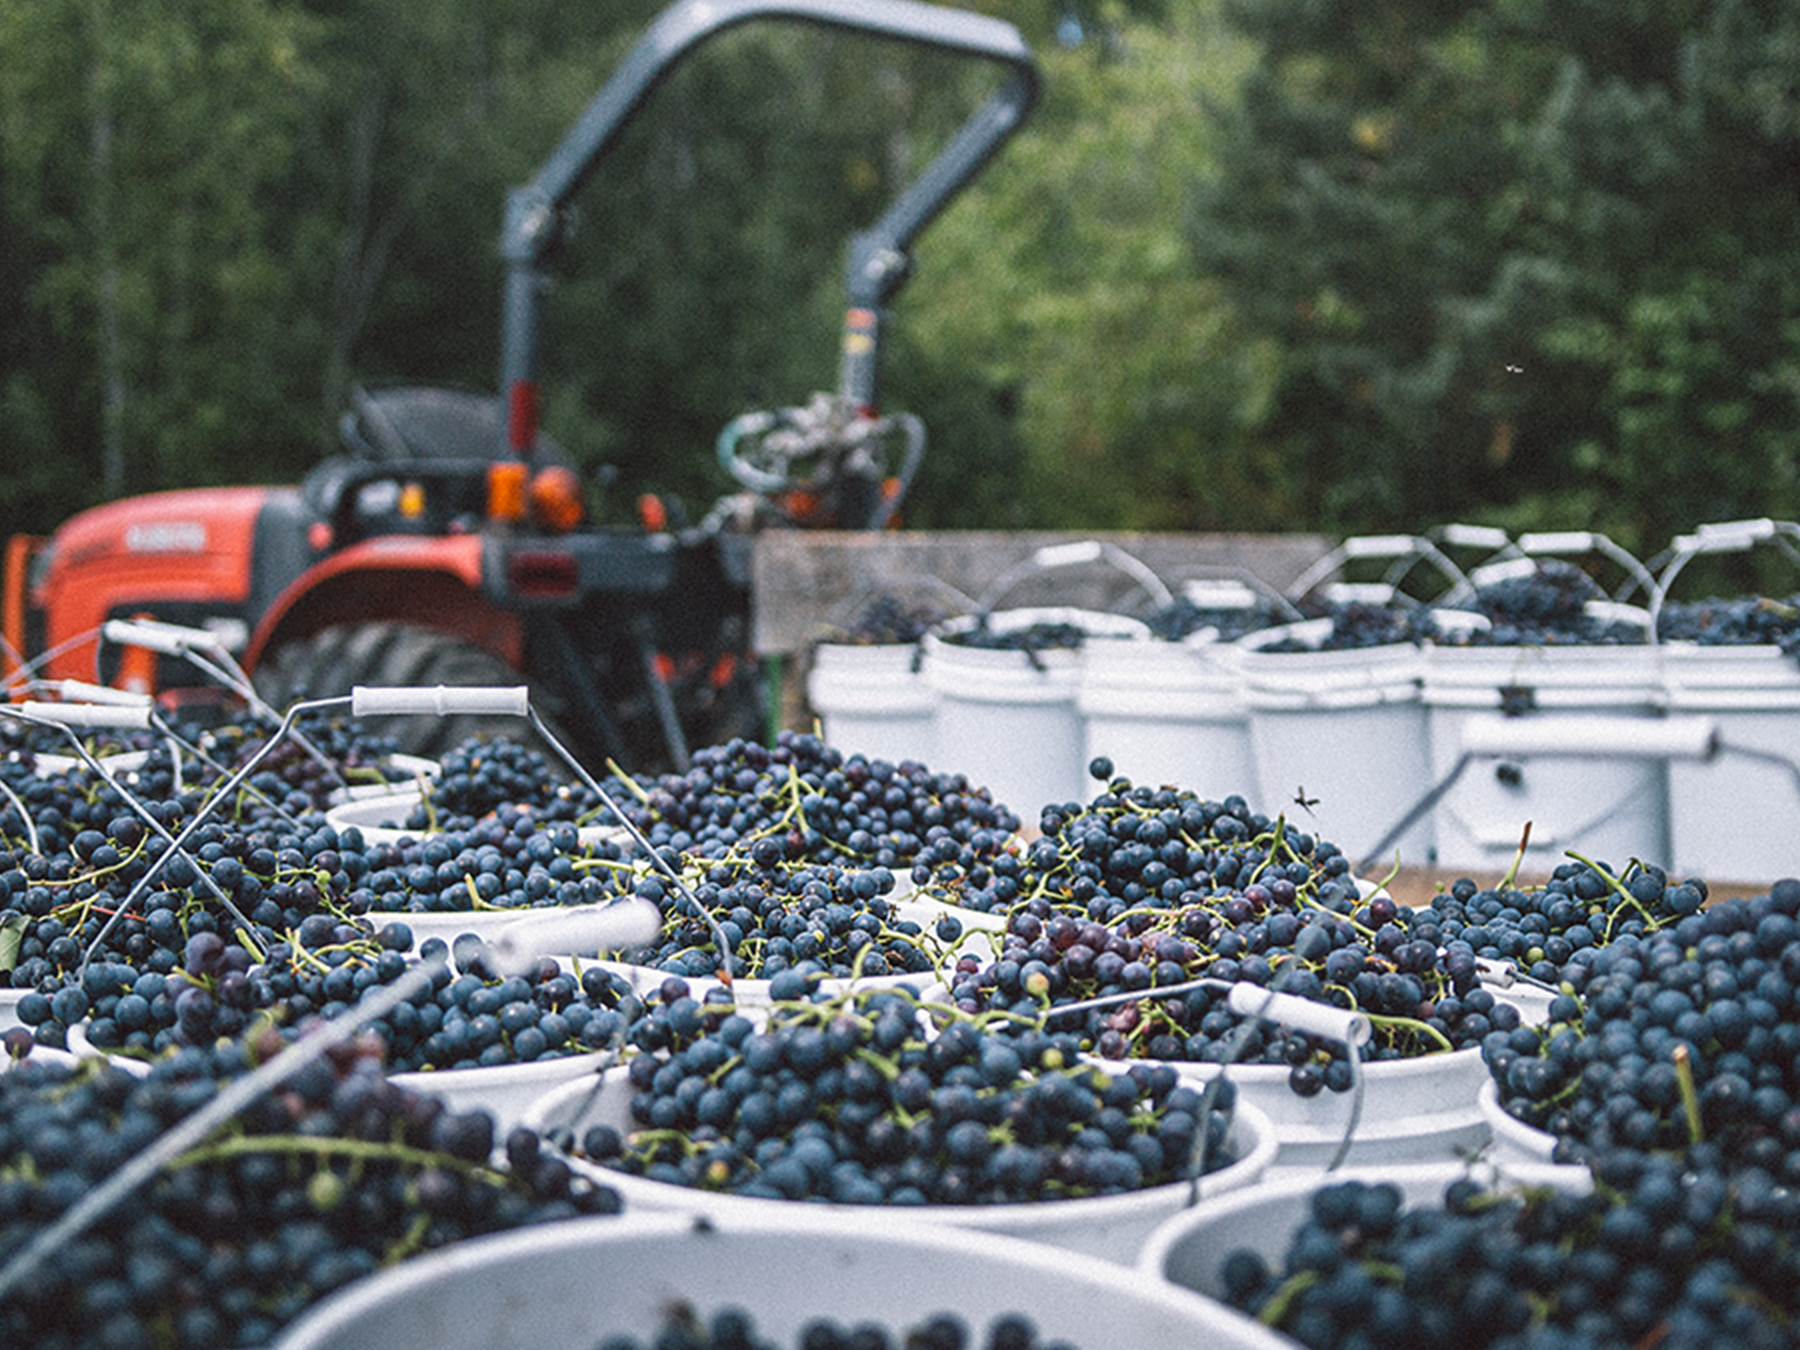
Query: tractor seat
x=392 y=426
x=434 y=432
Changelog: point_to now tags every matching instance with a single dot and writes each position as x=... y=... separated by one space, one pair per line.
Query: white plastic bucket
x=1607 y=807
x=1008 y=719
x=1514 y=1140
x=1189 y=1249
x=574 y=1284
x=874 y=700
x=447 y=924
x=1168 y=714
x=1753 y=696
x=381 y=816
x=403 y=772
x=1108 y=1227
x=751 y=996
x=1413 y=1111
x=41 y=1054
x=1343 y=729
x=123 y=765
x=506 y=1091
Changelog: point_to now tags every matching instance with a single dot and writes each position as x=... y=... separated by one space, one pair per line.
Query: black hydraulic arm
x=878 y=256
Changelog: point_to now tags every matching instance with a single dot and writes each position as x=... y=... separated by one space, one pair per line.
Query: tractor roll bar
x=535 y=213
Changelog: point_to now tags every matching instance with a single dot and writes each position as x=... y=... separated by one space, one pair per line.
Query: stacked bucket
x=1465 y=750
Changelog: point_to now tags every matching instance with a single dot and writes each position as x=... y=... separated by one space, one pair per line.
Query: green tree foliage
x=149 y=326
x=1536 y=260
x=1066 y=282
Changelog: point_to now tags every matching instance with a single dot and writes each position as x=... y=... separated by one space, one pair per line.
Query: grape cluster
x=303 y=775
x=70 y=908
x=1358 y=624
x=855 y=1100
x=1683 y=1038
x=337 y=1174
x=1737 y=621
x=481 y=776
x=1554 y=932
x=259 y=864
x=471 y=1015
x=1185 y=616
x=509 y=859
x=732 y=1328
x=804 y=801
x=1145 y=889
x=1545 y=607
x=1043 y=635
x=789 y=855
x=1670 y=1262
x=1741 y=621
x=889 y=620
x=808 y=922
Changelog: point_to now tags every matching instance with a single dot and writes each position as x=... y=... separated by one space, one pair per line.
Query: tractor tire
x=334 y=660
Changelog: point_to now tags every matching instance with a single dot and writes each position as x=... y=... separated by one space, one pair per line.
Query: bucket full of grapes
x=1168 y=712
x=777 y=1278
x=1415 y=1108
x=1006 y=686
x=1733 y=660
x=867 y=682
x=972 y=1130
x=1335 y=717
x=874 y=700
x=1557 y=655
x=1265 y=1249
x=1339 y=727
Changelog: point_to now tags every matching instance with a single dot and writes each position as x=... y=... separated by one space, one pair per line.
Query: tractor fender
x=430 y=581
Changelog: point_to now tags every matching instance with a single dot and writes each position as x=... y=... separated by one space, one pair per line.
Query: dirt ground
x=1415 y=886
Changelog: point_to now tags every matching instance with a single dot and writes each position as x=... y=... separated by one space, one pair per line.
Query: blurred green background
x=1266 y=265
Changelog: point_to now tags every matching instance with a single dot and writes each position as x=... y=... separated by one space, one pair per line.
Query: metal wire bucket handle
x=1078 y=553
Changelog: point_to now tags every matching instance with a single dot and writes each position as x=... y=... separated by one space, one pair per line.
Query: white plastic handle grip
x=1687 y=737
x=81 y=691
x=168 y=638
x=1474 y=536
x=443 y=700
x=1380 y=546
x=581 y=930
x=1069 y=555
x=1557 y=541
x=1345 y=1025
x=1507 y=569
x=90 y=714
x=1742 y=533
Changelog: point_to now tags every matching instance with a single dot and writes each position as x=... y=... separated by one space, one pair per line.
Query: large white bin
x=1008 y=719
x=1608 y=807
x=1169 y=714
x=574 y=1284
x=874 y=700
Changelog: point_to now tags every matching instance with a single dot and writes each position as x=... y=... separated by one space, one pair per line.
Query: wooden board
x=806 y=582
